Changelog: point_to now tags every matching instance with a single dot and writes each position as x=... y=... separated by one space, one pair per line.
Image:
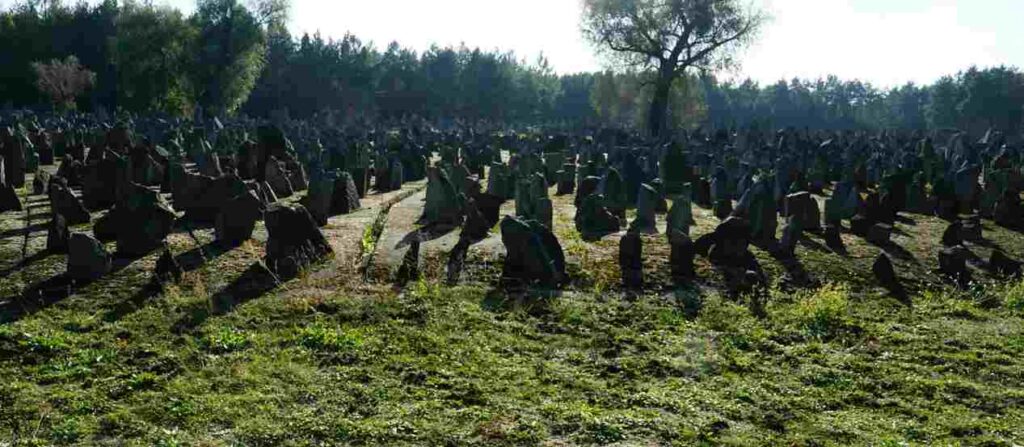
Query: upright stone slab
x=631 y=261
x=533 y=253
x=144 y=219
x=87 y=259
x=294 y=241
x=681 y=257
x=802 y=207
x=345 y=198
x=645 y=222
x=237 y=219
x=277 y=177
x=64 y=202
x=593 y=220
x=567 y=179
x=443 y=205
x=57 y=234
x=680 y=217
x=588 y=186
x=318 y=199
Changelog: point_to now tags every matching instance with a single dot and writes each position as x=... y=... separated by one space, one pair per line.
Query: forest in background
x=228 y=57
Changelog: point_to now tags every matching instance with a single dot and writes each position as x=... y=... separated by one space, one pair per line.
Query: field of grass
x=328 y=359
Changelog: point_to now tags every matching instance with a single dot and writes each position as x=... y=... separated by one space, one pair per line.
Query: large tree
x=668 y=37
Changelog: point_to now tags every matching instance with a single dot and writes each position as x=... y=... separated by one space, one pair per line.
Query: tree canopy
x=667 y=37
x=232 y=56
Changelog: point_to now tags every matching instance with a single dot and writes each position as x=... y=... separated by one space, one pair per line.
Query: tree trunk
x=656 y=116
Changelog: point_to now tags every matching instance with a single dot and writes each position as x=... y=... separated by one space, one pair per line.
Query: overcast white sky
x=885 y=42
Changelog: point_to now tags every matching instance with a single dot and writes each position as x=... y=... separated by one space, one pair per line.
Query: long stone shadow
x=535 y=301
x=188 y=261
x=895 y=250
x=425 y=234
x=21 y=232
x=50 y=291
x=254 y=282
x=26 y=263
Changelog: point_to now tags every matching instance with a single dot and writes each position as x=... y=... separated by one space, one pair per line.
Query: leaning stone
x=64 y=202
x=645 y=211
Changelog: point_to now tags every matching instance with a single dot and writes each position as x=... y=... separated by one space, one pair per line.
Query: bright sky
x=886 y=42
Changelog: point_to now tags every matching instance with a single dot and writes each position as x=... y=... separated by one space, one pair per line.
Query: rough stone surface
x=294 y=241
x=87 y=259
x=533 y=253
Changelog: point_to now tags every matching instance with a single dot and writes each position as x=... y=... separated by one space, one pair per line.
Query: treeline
x=975 y=99
x=228 y=57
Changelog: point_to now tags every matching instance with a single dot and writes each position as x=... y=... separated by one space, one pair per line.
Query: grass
x=367 y=364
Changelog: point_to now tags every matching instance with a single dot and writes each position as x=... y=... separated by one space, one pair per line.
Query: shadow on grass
x=21 y=232
x=188 y=261
x=26 y=263
x=425 y=234
x=50 y=291
x=533 y=300
x=254 y=282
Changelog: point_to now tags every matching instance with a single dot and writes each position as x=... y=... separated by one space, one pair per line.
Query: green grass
x=368 y=364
